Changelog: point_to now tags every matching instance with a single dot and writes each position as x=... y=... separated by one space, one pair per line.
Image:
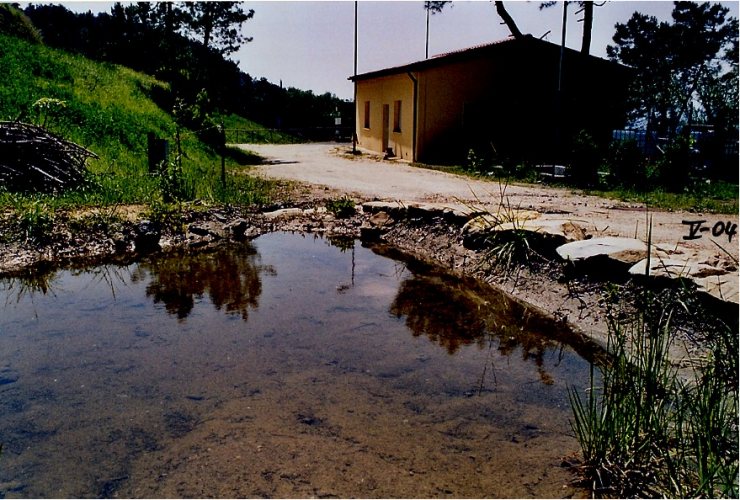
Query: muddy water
x=287 y=367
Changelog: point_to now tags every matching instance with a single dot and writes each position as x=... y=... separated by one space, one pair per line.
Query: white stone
x=622 y=249
x=285 y=212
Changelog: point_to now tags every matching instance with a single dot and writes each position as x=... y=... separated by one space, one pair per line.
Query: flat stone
x=399 y=209
x=724 y=288
x=625 y=250
x=675 y=268
x=527 y=220
x=283 y=212
x=384 y=206
x=207 y=228
x=495 y=221
x=236 y=228
x=715 y=281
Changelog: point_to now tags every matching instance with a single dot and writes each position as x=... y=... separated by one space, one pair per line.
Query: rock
x=197 y=230
x=712 y=280
x=624 y=250
x=380 y=219
x=724 y=288
x=370 y=233
x=236 y=229
x=456 y=215
x=394 y=208
x=555 y=231
x=283 y=212
x=675 y=268
x=495 y=221
x=146 y=236
x=120 y=242
x=213 y=229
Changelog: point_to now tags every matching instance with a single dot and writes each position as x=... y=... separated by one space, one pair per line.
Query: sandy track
x=370 y=177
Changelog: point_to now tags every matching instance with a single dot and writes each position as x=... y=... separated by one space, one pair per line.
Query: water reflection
x=230 y=278
x=28 y=285
x=128 y=371
x=453 y=314
x=447 y=314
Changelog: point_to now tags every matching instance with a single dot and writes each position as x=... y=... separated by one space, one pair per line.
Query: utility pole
x=426 y=53
x=354 y=81
x=559 y=96
x=562 y=46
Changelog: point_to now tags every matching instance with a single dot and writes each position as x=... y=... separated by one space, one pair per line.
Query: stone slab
x=715 y=281
x=626 y=250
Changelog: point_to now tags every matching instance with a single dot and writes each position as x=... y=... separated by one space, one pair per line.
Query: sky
x=310 y=44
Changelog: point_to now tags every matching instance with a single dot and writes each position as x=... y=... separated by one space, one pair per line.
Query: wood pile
x=34 y=160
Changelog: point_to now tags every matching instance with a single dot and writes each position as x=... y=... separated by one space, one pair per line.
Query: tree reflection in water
x=230 y=278
x=454 y=313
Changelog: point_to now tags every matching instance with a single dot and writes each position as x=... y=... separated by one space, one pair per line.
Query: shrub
x=15 y=23
x=585 y=160
x=342 y=208
x=627 y=165
x=674 y=169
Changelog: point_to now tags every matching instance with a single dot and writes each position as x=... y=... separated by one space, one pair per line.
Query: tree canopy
x=218 y=24
x=685 y=71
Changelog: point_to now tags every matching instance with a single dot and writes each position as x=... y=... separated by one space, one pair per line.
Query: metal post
x=426 y=52
x=562 y=46
x=354 y=81
x=559 y=96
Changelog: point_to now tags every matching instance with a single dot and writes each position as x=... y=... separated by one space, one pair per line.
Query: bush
x=674 y=170
x=627 y=165
x=585 y=160
x=15 y=23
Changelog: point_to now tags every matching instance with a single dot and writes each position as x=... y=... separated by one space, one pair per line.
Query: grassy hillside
x=109 y=110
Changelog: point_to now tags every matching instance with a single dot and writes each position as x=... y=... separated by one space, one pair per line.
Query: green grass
x=717 y=197
x=240 y=130
x=109 y=110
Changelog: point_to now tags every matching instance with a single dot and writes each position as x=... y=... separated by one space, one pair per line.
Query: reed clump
x=648 y=429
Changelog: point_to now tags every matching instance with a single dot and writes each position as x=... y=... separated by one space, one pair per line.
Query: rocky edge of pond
x=568 y=280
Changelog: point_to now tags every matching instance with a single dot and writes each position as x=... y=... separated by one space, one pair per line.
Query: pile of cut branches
x=34 y=160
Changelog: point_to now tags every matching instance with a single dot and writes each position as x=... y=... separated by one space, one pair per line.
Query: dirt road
x=368 y=177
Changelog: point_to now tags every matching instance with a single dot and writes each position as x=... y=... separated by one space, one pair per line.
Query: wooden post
x=157 y=152
x=223 y=156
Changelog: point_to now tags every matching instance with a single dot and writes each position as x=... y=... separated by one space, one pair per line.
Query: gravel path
x=370 y=177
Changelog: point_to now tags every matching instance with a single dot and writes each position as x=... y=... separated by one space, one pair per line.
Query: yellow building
x=502 y=97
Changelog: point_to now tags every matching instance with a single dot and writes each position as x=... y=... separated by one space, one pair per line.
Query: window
x=396 y=116
x=367 y=114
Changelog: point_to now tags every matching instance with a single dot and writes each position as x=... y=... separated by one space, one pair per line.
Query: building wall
x=444 y=92
x=502 y=102
x=380 y=92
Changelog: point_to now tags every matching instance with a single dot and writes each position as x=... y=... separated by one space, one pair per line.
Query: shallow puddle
x=286 y=367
